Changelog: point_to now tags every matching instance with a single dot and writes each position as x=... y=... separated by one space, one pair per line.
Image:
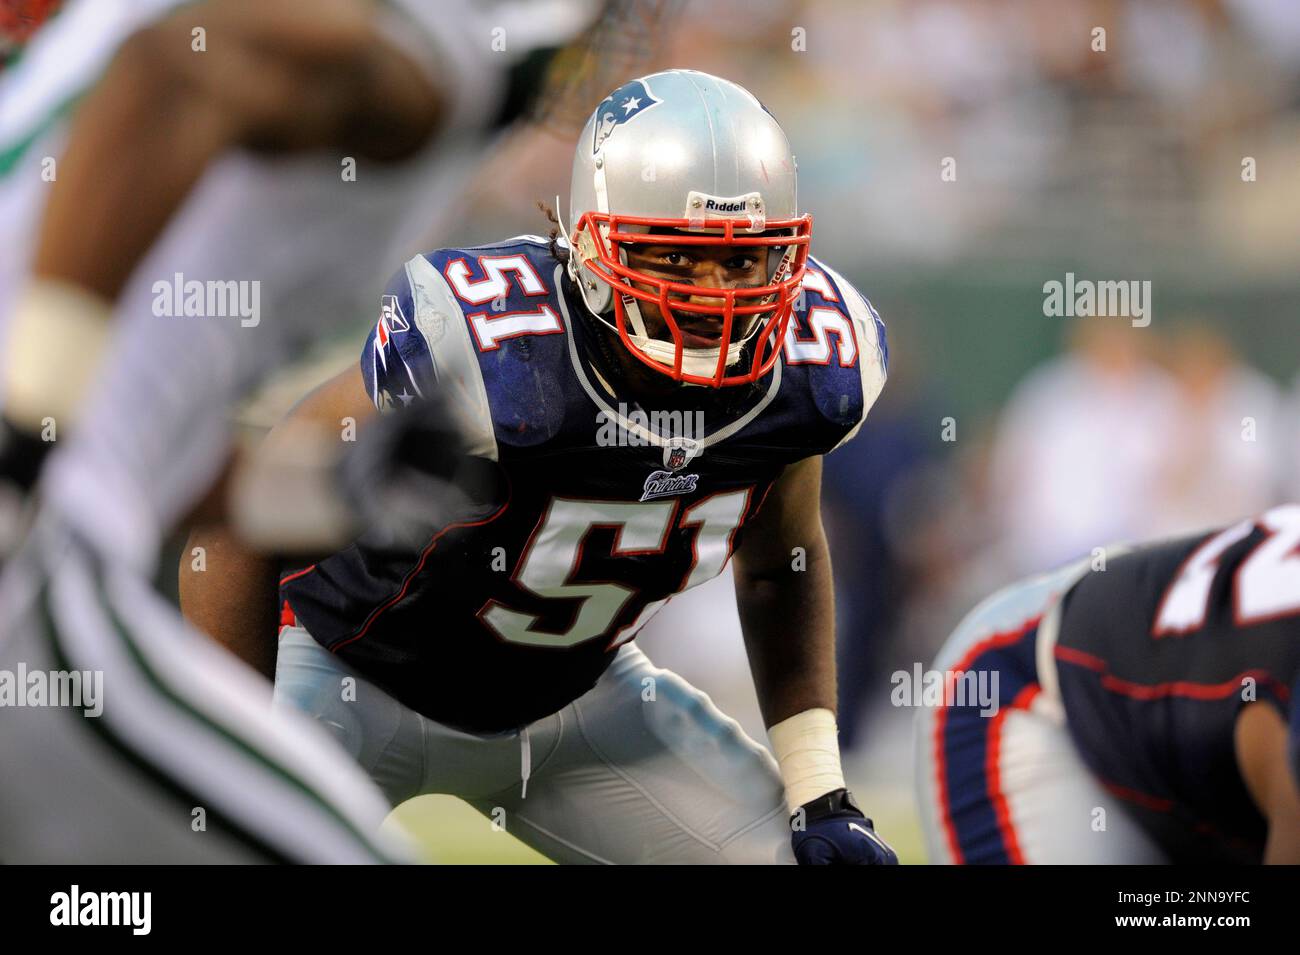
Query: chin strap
x=695 y=361
x=702 y=362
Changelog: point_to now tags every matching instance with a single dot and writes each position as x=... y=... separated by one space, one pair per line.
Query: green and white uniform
x=184 y=726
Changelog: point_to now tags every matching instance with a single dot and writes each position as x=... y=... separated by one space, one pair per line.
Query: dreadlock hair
x=558 y=252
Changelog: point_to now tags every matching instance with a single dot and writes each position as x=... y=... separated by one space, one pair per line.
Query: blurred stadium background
x=1005 y=440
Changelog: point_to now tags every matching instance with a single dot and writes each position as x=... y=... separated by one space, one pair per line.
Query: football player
x=655 y=390
x=1140 y=711
x=218 y=136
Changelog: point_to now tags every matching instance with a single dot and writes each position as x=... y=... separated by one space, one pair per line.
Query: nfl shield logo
x=679 y=452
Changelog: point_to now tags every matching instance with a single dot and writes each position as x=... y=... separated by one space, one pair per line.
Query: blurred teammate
x=656 y=393
x=1141 y=714
x=173 y=270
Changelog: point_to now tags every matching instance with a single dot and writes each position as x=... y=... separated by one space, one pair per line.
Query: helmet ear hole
x=598 y=295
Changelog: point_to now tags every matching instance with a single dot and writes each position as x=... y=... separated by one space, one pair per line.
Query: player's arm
x=1261 y=740
x=287 y=76
x=235 y=597
x=786 y=605
x=784 y=594
x=284 y=76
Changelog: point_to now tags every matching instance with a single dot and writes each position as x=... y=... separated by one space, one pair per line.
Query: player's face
x=720 y=266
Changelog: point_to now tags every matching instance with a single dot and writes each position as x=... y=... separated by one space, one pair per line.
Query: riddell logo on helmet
x=701 y=204
x=720 y=205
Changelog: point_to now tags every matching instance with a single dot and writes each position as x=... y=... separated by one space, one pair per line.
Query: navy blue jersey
x=608 y=510
x=1157 y=655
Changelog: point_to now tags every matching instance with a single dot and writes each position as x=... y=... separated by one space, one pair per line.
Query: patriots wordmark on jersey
x=507 y=615
x=1157 y=655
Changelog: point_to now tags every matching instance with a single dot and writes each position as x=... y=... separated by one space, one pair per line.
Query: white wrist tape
x=808 y=751
x=57 y=336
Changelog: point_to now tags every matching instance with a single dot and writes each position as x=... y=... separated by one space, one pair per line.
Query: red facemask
x=602 y=235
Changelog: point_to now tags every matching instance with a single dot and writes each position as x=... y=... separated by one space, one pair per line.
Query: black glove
x=832 y=830
x=21 y=456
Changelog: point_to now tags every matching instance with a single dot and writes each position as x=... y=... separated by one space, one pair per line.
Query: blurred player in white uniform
x=249 y=141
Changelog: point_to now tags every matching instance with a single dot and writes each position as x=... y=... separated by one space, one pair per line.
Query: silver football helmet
x=701 y=159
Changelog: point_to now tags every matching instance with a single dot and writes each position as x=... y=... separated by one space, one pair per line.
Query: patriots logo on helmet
x=627 y=102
